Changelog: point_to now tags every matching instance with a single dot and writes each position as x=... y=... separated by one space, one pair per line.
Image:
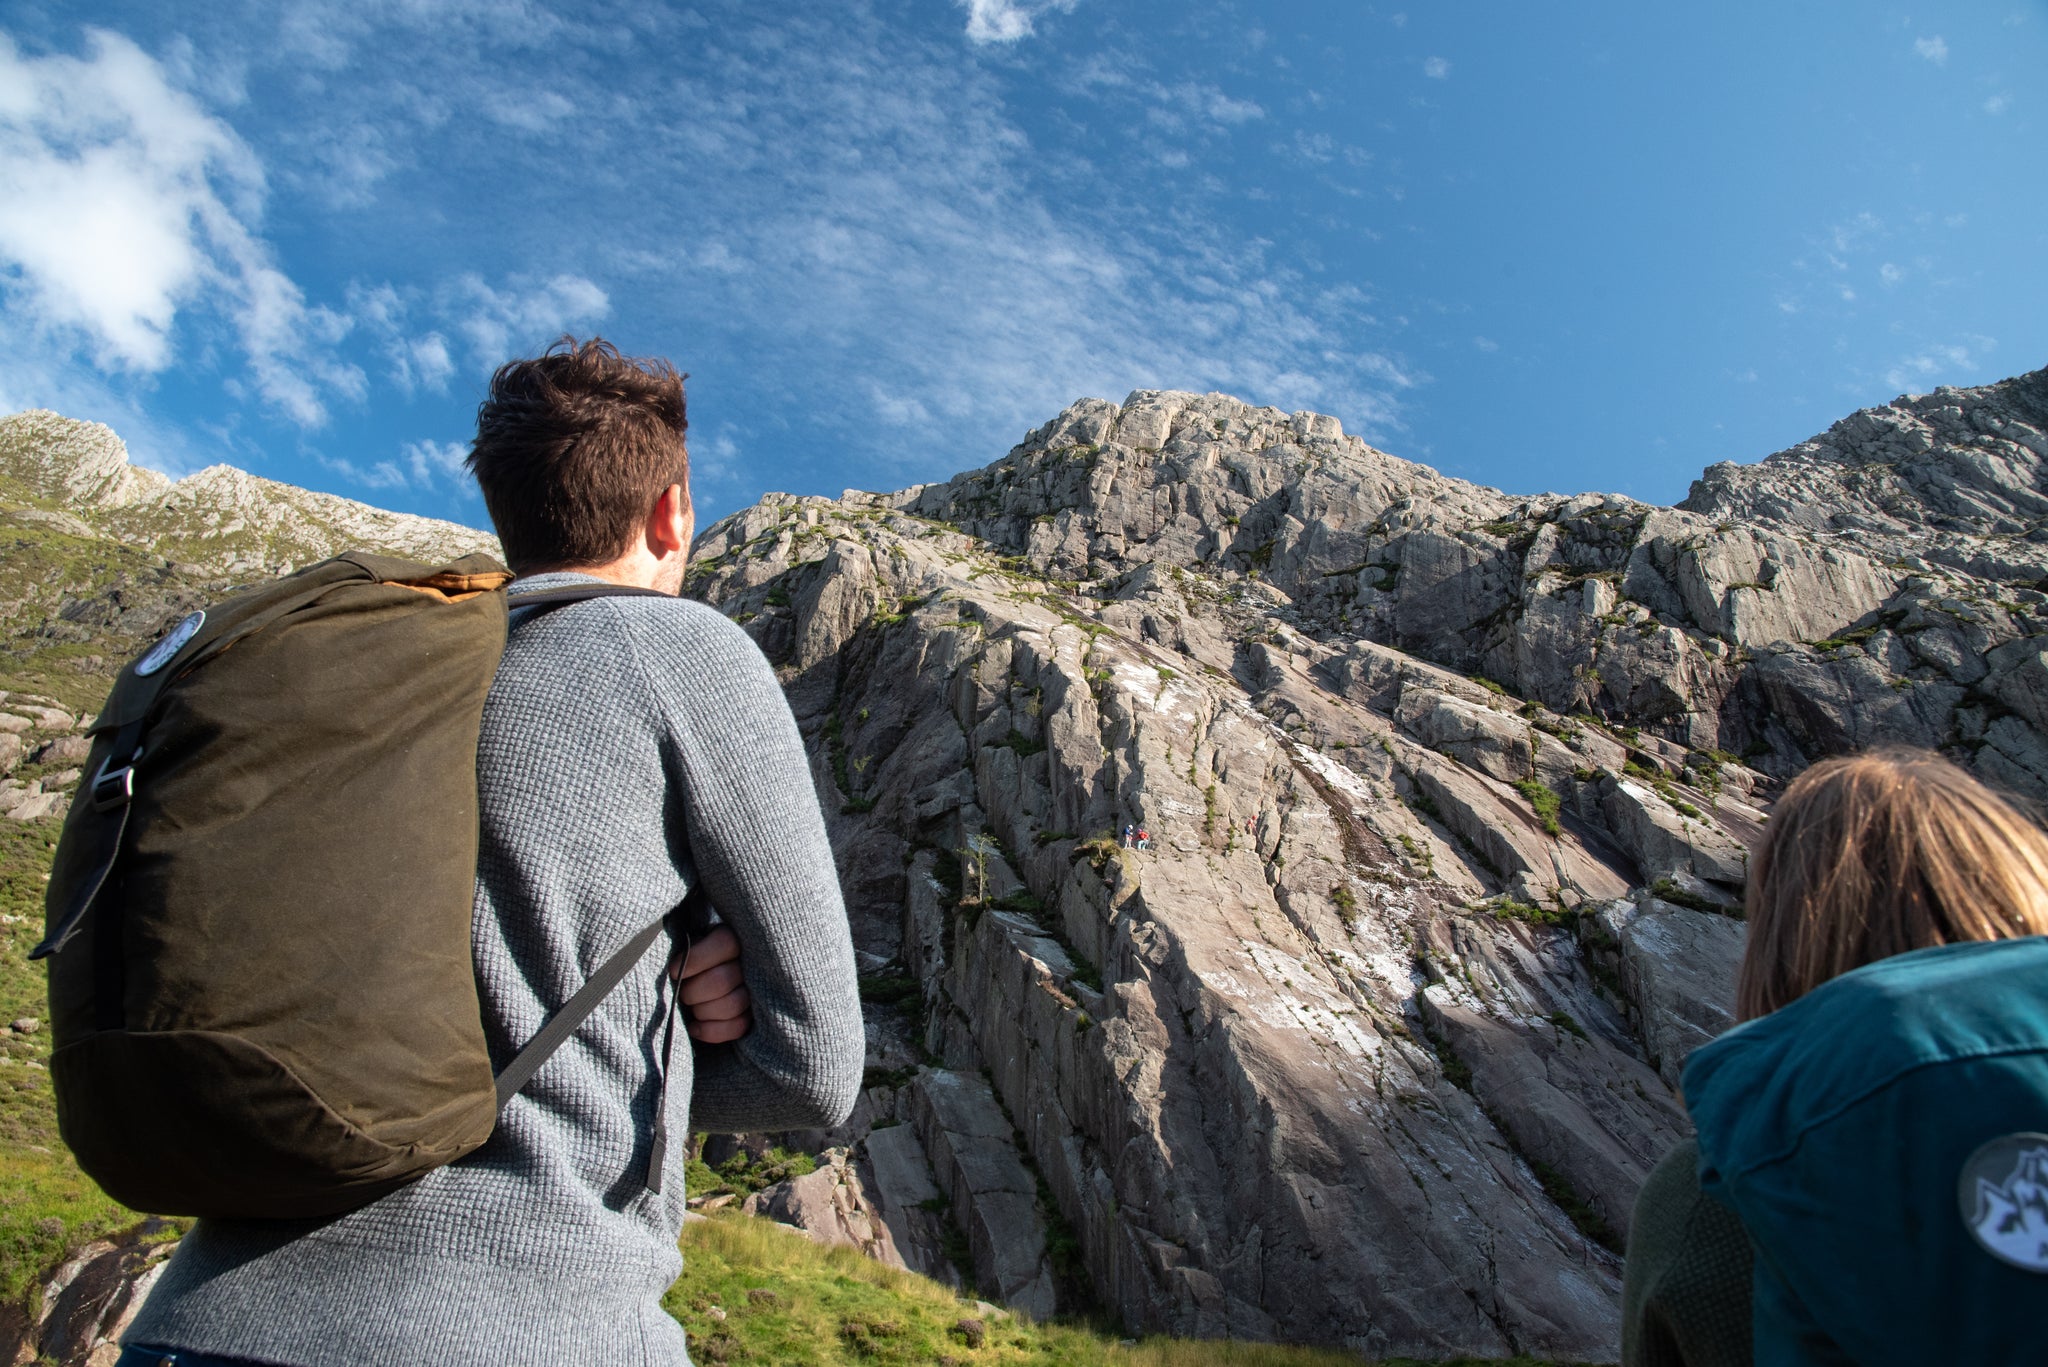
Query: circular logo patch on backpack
x=2003 y=1193
x=160 y=654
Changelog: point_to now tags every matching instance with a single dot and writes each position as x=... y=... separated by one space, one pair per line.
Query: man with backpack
x=635 y=753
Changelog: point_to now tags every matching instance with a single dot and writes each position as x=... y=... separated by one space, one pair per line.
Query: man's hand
x=714 y=996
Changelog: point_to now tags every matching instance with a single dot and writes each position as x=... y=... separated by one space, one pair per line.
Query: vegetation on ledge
x=756 y=1292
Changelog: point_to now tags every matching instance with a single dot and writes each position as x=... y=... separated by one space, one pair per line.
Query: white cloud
x=1486 y=344
x=1437 y=69
x=123 y=203
x=714 y=459
x=1996 y=104
x=1890 y=274
x=518 y=316
x=427 y=364
x=419 y=466
x=897 y=410
x=845 y=209
x=107 y=194
x=1933 y=49
x=1005 y=21
x=1946 y=363
x=532 y=112
x=429 y=460
x=522 y=317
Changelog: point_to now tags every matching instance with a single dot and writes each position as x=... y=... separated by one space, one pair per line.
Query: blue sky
x=1548 y=248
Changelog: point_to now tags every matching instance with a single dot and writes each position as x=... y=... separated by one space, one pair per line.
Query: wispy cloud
x=1933 y=49
x=1945 y=362
x=1996 y=104
x=1437 y=69
x=523 y=315
x=1005 y=21
x=124 y=203
x=420 y=466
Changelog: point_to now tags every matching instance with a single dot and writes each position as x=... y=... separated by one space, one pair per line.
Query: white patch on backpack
x=2003 y=1193
x=160 y=654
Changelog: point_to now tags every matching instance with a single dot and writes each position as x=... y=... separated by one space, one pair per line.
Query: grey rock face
x=1673 y=971
x=1328 y=1061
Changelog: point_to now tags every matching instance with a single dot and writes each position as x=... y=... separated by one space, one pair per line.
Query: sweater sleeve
x=1685 y=1299
x=749 y=816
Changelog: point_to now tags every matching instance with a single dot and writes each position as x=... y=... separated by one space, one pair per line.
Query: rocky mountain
x=1448 y=796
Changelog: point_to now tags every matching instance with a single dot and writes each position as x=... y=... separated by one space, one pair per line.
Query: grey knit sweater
x=631 y=748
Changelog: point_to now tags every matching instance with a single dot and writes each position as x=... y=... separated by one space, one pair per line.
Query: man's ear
x=668 y=526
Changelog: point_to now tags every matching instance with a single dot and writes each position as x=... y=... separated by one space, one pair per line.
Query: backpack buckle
x=111 y=787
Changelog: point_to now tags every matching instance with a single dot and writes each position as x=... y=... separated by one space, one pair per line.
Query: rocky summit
x=1447 y=798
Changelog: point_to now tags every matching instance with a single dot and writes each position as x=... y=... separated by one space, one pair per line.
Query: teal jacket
x=1884 y=1140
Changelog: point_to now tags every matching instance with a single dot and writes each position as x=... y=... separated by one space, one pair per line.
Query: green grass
x=786 y=1300
x=1507 y=908
x=1021 y=743
x=895 y=988
x=1547 y=803
x=47 y=1206
x=1664 y=890
x=743 y=1174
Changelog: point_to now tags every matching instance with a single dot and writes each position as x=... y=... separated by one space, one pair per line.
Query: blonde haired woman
x=1870 y=1181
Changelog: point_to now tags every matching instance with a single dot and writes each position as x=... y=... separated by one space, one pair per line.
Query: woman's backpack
x=1884 y=1141
x=262 y=989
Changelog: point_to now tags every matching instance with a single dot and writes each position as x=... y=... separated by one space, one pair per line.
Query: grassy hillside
x=46 y=1204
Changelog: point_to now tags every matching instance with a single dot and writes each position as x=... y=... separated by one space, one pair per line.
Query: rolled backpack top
x=262 y=989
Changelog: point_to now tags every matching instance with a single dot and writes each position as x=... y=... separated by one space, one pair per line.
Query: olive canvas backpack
x=262 y=991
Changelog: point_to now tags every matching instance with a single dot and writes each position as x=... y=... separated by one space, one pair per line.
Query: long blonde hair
x=1877 y=854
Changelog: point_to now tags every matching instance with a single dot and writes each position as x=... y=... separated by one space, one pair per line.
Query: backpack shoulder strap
x=577 y=1009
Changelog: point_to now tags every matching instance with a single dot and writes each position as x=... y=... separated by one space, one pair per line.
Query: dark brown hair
x=573 y=448
x=1877 y=854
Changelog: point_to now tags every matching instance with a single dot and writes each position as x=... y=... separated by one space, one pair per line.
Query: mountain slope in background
x=96 y=554
x=1449 y=796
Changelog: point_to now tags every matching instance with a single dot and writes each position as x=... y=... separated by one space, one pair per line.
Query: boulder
x=62 y=750
x=831 y=1205
x=1674 y=971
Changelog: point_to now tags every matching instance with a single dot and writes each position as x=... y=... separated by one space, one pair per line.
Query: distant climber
x=1144 y=838
x=1130 y=834
x=634 y=751
x=1867 y=1181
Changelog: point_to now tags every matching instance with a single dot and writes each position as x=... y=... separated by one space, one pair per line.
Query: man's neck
x=632 y=571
